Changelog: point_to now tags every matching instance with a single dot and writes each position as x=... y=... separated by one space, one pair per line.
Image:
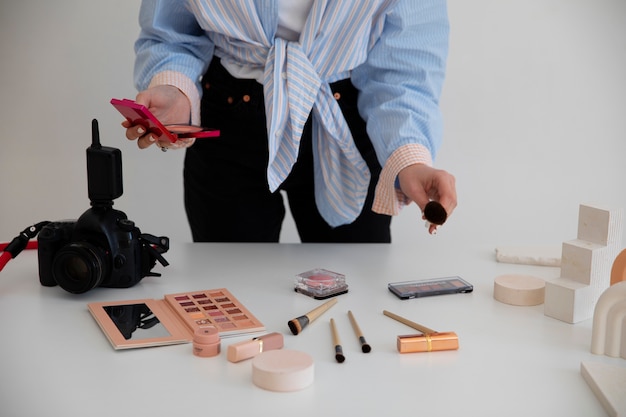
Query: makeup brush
x=430 y=340
x=409 y=323
x=299 y=323
x=435 y=213
x=364 y=346
x=337 y=343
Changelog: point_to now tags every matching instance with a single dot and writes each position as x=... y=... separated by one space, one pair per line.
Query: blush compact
x=321 y=283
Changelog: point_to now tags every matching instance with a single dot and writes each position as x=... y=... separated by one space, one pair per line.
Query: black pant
x=227 y=197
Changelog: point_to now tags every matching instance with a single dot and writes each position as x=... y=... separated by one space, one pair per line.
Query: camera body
x=103 y=247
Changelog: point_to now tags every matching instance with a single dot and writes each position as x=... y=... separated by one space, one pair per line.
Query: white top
x=291 y=17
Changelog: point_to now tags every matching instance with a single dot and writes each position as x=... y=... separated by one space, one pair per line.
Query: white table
x=512 y=361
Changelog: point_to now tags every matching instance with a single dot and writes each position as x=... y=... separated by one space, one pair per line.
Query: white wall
x=534 y=106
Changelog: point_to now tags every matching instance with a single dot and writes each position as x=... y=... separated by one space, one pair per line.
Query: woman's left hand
x=422 y=183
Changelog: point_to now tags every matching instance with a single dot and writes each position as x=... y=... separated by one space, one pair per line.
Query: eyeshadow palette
x=143 y=323
x=429 y=287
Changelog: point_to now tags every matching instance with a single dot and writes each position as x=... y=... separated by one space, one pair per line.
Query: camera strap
x=19 y=243
x=155 y=246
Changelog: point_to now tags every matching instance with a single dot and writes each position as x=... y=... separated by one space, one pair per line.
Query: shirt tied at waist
x=294 y=90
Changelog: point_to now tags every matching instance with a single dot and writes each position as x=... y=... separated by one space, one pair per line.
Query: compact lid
x=206 y=335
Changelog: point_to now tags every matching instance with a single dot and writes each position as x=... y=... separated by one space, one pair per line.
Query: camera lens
x=79 y=267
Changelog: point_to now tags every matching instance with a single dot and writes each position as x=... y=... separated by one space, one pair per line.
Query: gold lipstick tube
x=250 y=348
x=428 y=342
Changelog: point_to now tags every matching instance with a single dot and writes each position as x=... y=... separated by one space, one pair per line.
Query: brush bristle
x=339 y=354
x=298 y=324
x=435 y=213
x=294 y=326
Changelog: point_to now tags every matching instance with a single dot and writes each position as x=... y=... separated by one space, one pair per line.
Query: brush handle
x=409 y=323
x=333 y=328
x=337 y=342
x=316 y=312
x=355 y=325
x=365 y=347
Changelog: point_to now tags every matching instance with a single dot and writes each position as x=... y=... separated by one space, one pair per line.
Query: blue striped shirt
x=394 y=51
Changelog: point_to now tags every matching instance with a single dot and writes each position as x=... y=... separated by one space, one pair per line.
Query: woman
x=336 y=103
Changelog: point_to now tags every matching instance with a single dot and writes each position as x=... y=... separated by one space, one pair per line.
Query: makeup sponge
x=283 y=370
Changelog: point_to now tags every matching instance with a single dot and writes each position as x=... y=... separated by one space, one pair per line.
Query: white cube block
x=587 y=263
x=569 y=301
x=599 y=225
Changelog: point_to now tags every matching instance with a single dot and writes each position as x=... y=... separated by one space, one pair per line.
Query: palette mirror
x=138 y=323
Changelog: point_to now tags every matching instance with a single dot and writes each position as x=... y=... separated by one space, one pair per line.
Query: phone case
x=430 y=287
x=139 y=114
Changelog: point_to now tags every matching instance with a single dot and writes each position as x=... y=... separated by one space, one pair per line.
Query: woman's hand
x=422 y=183
x=168 y=104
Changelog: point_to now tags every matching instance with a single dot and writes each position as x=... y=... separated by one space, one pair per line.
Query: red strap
x=4 y=258
x=30 y=245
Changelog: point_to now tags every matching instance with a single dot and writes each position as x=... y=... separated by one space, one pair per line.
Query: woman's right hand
x=168 y=104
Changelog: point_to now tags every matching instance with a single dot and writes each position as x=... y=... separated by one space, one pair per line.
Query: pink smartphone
x=139 y=114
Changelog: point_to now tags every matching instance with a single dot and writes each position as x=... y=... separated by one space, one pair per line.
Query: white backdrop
x=534 y=107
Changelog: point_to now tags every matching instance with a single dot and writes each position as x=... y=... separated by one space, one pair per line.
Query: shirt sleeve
x=172 y=49
x=400 y=85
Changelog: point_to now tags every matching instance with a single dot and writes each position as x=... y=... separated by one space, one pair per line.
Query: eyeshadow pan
x=216 y=307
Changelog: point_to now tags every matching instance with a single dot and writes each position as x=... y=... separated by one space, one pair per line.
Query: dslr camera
x=103 y=247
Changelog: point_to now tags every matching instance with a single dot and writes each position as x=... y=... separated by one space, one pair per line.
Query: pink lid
x=206 y=342
x=208 y=334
